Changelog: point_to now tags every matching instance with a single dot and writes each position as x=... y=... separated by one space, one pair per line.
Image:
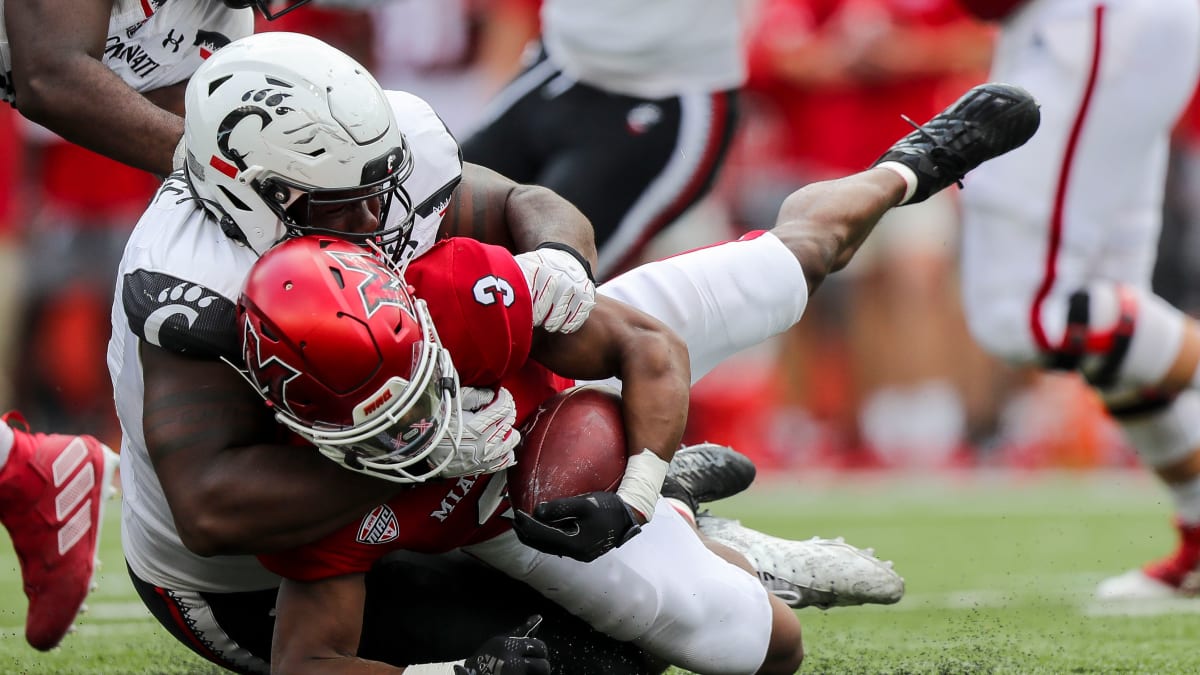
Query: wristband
x=644 y=475
x=583 y=262
x=432 y=668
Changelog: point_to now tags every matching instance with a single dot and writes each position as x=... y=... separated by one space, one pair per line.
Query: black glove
x=584 y=527
x=517 y=654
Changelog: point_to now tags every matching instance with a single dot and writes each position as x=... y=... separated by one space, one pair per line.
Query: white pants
x=721 y=299
x=662 y=590
x=1082 y=200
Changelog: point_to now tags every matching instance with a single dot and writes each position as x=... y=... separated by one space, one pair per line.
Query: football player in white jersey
x=628 y=111
x=207 y=474
x=110 y=76
x=1060 y=240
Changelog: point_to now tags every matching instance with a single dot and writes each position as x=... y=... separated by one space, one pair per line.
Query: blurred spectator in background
x=888 y=366
x=82 y=208
x=455 y=53
x=626 y=108
x=1060 y=238
x=11 y=253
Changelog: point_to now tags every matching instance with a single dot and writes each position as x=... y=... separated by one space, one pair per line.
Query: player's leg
x=813 y=572
x=53 y=489
x=1059 y=239
x=232 y=630
x=667 y=593
x=725 y=298
x=509 y=139
x=420 y=609
x=434 y=609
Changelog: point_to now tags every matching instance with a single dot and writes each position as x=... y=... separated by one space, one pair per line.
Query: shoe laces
x=938 y=154
x=15 y=419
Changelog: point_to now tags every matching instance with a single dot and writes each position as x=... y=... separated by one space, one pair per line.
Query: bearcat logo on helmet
x=237 y=160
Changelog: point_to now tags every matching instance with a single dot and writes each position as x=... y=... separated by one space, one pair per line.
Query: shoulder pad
x=180 y=316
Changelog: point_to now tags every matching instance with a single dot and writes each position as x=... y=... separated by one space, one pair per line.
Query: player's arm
x=318 y=626
x=62 y=84
x=649 y=358
x=491 y=208
x=213 y=445
x=652 y=363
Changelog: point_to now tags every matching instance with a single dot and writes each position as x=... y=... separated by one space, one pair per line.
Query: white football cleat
x=1135 y=585
x=817 y=572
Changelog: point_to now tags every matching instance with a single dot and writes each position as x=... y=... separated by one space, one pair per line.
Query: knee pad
x=1160 y=426
x=1116 y=335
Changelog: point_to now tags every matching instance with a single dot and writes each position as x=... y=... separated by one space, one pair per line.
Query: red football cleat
x=52 y=492
x=1178 y=569
x=1177 y=575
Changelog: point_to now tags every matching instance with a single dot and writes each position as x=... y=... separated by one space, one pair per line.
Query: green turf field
x=999 y=571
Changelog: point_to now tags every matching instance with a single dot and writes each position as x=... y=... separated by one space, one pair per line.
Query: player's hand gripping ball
x=568 y=468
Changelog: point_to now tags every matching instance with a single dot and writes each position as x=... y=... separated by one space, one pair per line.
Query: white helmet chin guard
x=279 y=123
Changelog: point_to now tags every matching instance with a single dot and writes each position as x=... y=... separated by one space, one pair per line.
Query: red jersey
x=480 y=305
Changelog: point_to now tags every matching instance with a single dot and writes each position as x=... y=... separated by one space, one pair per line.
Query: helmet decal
x=376 y=289
x=272 y=370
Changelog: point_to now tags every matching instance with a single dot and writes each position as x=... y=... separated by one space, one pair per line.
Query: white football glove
x=488 y=437
x=563 y=295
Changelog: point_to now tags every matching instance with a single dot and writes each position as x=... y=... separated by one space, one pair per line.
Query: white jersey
x=177 y=288
x=154 y=43
x=647 y=49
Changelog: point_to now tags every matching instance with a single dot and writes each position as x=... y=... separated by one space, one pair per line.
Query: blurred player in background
x=627 y=109
x=1060 y=239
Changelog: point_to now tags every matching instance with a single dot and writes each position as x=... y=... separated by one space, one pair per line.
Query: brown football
x=574 y=444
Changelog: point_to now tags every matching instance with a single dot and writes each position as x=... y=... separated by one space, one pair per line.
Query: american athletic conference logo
x=379 y=526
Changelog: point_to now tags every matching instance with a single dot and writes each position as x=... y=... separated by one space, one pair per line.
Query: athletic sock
x=909 y=176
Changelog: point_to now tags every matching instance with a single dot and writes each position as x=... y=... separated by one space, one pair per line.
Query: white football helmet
x=282 y=129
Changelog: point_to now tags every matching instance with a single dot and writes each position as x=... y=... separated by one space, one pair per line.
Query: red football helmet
x=350 y=361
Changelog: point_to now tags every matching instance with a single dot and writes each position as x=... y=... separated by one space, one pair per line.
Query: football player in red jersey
x=373 y=384
x=390 y=415
x=237 y=487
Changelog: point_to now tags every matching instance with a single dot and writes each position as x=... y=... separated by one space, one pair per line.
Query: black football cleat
x=706 y=472
x=986 y=122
